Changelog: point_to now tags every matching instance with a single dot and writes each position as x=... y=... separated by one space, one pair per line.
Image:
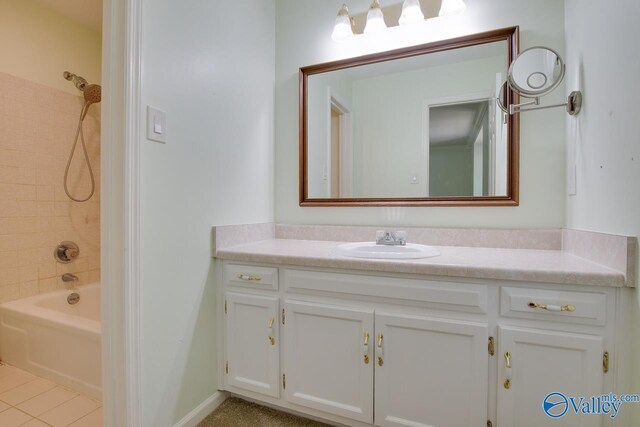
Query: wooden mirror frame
x=510 y=35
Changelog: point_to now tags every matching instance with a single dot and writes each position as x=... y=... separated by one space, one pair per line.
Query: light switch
x=414 y=178
x=156 y=125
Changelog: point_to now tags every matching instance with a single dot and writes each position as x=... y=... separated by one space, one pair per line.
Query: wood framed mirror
x=417 y=126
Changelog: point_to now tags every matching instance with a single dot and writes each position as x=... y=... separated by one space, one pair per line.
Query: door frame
x=120 y=213
x=346 y=145
x=429 y=103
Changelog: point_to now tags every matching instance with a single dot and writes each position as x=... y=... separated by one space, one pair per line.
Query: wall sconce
x=411 y=14
x=452 y=7
x=343 y=29
x=375 y=19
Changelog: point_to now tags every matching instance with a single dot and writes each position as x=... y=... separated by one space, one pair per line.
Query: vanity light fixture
x=411 y=13
x=343 y=28
x=375 y=19
x=452 y=7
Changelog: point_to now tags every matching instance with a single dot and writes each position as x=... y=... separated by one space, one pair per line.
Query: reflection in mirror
x=417 y=127
x=459 y=149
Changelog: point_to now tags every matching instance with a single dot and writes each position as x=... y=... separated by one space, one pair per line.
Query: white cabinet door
x=252 y=343
x=325 y=362
x=545 y=362
x=430 y=372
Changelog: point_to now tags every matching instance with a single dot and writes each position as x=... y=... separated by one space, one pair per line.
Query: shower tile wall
x=37 y=126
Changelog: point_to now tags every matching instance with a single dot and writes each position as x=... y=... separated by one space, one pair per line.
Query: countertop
x=532 y=265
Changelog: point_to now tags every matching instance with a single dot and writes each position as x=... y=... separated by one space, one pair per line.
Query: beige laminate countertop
x=547 y=266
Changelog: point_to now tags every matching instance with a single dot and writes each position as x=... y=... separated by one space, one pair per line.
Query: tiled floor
x=30 y=401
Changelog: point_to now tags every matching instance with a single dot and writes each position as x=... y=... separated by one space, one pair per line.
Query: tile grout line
x=37 y=417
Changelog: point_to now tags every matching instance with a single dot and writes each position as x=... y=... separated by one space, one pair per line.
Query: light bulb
x=452 y=7
x=375 y=19
x=342 y=29
x=411 y=13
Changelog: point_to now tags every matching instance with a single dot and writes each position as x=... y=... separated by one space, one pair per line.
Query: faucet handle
x=401 y=237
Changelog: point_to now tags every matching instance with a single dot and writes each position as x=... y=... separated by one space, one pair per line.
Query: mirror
x=536 y=72
x=533 y=74
x=413 y=127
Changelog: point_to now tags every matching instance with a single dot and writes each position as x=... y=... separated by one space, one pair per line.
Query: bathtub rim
x=26 y=308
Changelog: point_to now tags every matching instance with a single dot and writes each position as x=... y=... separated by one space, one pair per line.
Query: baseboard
x=201 y=411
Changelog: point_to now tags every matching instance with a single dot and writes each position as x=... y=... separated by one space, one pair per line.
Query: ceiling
x=84 y=12
x=455 y=124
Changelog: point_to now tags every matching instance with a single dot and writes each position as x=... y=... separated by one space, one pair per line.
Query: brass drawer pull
x=566 y=307
x=249 y=277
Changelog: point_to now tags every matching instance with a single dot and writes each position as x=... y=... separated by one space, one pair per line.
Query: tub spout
x=72 y=279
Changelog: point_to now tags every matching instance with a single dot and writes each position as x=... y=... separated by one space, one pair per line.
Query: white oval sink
x=372 y=250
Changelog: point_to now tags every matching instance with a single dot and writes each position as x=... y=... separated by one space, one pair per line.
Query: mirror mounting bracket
x=573 y=104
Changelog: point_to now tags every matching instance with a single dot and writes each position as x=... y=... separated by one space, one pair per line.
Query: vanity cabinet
x=327 y=359
x=430 y=372
x=360 y=349
x=253 y=344
x=534 y=363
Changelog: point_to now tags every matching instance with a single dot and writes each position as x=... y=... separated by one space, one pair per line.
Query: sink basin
x=372 y=250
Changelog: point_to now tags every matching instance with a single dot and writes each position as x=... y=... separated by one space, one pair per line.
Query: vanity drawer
x=454 y=296
x=251 y=276
x=544 y=304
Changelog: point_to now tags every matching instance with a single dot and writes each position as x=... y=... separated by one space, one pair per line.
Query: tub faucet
x=72 y=278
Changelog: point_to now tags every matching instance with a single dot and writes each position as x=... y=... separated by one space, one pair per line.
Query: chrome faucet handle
x=66 y=252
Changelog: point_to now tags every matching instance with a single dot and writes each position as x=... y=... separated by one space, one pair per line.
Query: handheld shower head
x=92 y=95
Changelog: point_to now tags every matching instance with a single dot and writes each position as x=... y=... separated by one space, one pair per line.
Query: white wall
x=210 y=66
x=388 y=122
x=303 y=35
x=38 y=44
x=604 y=140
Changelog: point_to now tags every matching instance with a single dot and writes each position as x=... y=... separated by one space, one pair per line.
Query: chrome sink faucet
x=391 y=238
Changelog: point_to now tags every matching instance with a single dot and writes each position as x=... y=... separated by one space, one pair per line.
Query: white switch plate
x=156 y=125
x=414 y=178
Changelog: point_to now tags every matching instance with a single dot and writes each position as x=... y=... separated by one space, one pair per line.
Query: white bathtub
x=48 y=337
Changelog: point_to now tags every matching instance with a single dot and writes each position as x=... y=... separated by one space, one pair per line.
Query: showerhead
x=92 y=95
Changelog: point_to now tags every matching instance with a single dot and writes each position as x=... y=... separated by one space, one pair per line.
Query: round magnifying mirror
x=536 y=72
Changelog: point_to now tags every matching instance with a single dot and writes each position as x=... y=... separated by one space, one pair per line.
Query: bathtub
x=50 y=338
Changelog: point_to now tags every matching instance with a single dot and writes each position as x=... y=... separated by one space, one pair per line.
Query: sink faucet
x=391 y=238
x=68 y=277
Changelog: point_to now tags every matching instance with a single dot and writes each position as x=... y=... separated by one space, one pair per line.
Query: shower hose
x=79 y=134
